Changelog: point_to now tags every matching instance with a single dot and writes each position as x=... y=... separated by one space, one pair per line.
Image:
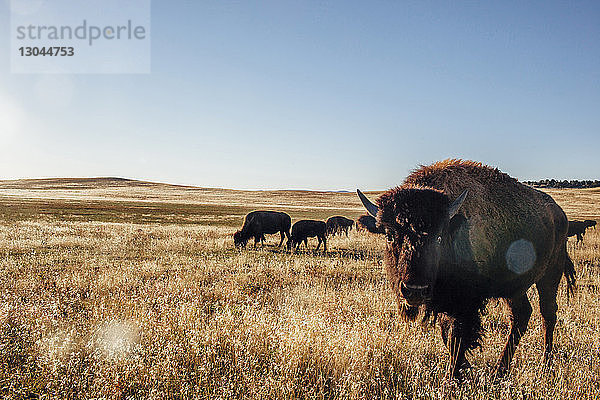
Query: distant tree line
x=553 y=183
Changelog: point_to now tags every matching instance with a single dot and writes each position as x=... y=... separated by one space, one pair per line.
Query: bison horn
x=453 y=209
x=371 y=208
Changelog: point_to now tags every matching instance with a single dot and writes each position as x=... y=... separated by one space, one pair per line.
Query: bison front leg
x=520 y=311
x=453 y=335
x=282 y=237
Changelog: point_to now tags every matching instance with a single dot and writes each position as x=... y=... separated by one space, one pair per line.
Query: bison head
x=239 y=239
x=416 y=224
x=589 y=223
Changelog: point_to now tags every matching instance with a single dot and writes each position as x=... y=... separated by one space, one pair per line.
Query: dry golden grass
x=136 y=291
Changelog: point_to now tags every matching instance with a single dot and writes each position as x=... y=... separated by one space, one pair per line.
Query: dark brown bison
x=369 y=223
x=459 y=233
x=577 y=228
x=338 y=224
x=259 y=223
x=306 y=228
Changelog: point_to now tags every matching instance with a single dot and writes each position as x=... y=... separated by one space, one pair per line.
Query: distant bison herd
x=458 y=233
x=259 y=223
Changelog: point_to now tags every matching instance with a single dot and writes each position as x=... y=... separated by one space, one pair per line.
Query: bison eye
x=439 y=239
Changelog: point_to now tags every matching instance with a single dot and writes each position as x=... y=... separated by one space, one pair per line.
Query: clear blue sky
x=321 y=95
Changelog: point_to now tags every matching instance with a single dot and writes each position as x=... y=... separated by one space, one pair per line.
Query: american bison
x=369 y=223
x=339 y=224
x=459 y=233
x=577 y=228
x=306 y=228
x=257 y=223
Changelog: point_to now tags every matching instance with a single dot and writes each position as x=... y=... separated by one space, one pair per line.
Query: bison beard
x=444 y=265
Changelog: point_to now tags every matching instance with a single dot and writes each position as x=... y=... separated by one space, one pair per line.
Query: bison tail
x=569 y=273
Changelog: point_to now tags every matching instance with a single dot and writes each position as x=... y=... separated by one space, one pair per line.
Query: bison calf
x=339 y=224
x=304 y=229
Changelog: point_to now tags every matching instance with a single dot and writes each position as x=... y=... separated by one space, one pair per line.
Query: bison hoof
x=501 y=371
x=459 y=373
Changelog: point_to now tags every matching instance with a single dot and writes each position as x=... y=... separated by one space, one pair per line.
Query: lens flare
x=520 y=256
x=11 y=119
x=117 y=339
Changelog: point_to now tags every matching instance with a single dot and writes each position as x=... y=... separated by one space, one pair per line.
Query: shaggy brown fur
x=505 y=238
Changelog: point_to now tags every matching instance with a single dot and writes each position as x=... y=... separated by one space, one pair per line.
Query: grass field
x=130 y=290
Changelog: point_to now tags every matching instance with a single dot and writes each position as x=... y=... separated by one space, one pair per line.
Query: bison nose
x=415 y=294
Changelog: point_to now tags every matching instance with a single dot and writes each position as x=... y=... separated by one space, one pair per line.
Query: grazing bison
x=577 y=228
x=257 y=223
x=459 y=233
x=306 y=228
x=369 y=223
x=338 y=224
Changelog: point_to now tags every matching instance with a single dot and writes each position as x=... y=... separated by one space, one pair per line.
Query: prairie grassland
x=137 y=292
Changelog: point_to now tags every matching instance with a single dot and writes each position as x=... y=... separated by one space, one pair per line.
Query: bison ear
x=371 y=208
x=453 y=209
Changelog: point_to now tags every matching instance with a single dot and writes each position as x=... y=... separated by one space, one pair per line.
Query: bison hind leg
x=547 y=289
